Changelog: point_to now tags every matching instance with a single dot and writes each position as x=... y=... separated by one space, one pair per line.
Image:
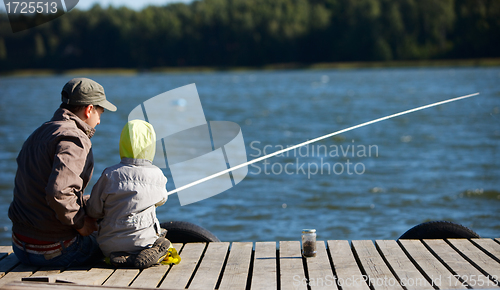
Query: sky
x=133 y=4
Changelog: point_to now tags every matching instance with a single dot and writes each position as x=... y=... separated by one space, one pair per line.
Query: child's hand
x=161 y=202
x=89 y=226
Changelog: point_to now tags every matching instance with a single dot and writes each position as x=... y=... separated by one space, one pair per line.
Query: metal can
x=309 y=243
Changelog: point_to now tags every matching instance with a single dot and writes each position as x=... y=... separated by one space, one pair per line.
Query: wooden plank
x=46 y=271
x=489 y=266
x=438 y=274
x=4 y=251
x=408 y=275
x=8 y=263
x=19 y=272
x=207 y=275
x=349 y=277
x=498 y=240
x=319 y=270
x=74 y=274
x=121 y=277
x=3 y=255
x=489 y=245
x=151 y=277
x=237 y=266
x=264 y=274
x=292 y=275
x=463 y=269
x=179 y=275
x=58 y=286
x=379 y=276
x=97 y=276
x=84 y=275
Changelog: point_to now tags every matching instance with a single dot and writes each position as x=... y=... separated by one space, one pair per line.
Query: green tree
x=255 y=33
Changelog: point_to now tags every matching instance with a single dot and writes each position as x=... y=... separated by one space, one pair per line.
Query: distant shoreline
x=481 y=62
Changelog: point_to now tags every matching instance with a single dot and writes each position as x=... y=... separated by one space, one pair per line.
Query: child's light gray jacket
x=125 y=198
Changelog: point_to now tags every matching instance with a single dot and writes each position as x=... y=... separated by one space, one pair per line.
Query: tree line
x=227 y=33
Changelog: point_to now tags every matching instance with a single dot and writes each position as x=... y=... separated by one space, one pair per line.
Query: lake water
x=442 y=163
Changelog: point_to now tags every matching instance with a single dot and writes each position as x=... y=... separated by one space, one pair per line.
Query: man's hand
x=89 y=226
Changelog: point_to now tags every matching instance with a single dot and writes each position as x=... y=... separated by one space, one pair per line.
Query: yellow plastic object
x=172 y=257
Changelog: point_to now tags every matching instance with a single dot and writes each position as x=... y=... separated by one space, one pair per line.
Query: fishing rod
x=317 y=139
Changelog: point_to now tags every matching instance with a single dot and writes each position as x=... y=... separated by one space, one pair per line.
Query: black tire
x=439 y=230
x=186 y=232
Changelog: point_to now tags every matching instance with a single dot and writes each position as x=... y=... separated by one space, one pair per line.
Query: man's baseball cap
x=83 y=91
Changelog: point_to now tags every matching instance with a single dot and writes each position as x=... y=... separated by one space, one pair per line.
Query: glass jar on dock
x=309 y=243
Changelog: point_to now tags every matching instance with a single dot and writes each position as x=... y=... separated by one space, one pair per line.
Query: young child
x=126 y=196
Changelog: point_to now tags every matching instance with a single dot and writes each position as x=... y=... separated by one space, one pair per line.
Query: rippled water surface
x=374 y=182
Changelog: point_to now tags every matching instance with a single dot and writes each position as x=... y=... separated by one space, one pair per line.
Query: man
x=55 y=164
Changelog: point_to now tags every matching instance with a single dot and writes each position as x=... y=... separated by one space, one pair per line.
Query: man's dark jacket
x=54 y=167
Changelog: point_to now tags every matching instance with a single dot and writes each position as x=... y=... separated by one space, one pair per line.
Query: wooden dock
x=359 y=265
